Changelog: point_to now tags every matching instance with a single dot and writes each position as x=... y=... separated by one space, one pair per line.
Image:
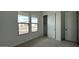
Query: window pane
x=34 y=19
x=23 y=19
x=23 y=28
x=34 y=27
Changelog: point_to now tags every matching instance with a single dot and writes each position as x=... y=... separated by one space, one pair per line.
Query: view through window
x=23 y=23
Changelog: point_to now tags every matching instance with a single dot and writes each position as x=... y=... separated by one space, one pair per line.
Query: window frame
x=29 y=24
x=23 y=23
x=34 y=23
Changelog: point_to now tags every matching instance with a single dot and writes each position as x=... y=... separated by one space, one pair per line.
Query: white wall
x=51 y=24
x=9 y=29
x=58 y=26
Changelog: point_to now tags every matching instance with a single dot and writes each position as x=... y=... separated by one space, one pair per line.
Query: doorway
x=45 y=17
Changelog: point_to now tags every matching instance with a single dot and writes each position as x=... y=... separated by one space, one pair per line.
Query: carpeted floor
x=47 y=42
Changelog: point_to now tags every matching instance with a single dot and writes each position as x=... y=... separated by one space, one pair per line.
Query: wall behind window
x=9 y=29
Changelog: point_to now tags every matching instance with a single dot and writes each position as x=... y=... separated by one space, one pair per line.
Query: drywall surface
x=52 y=25
x=71 y=25
x=9 y=29
x=58 y=26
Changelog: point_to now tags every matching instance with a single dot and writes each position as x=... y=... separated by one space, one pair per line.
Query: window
x=23 y=24
x=34 y=24
x=27 y=23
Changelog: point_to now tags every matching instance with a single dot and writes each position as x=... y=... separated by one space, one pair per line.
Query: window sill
x=23 y=34
x=34 y=32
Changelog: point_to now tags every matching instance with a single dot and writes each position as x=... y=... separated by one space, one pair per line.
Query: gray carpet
x=47 y=42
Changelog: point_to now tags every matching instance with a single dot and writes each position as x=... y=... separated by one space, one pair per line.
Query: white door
x=70 y=26
x=51 y=26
